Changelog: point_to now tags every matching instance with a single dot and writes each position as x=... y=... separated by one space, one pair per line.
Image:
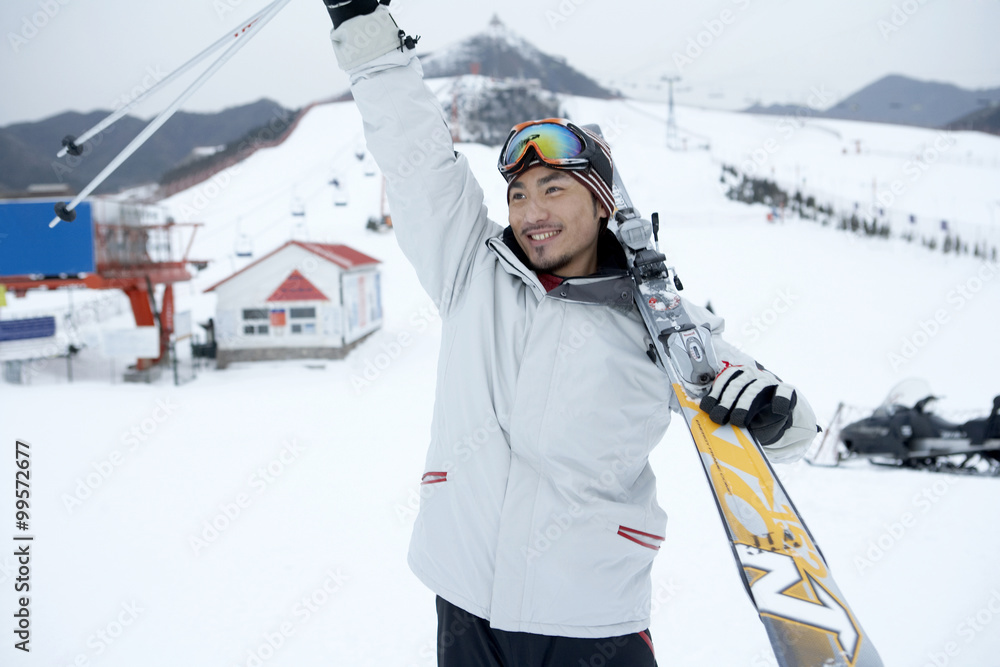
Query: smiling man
x=538 y=520
x=553 y=222
x=558 y=207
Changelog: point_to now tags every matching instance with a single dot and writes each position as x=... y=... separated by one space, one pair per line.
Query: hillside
x=984 y=120
x=311 y=570
x=905 y=101
x=30 y=148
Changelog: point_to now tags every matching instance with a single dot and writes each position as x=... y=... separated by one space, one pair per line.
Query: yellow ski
x=806 y=617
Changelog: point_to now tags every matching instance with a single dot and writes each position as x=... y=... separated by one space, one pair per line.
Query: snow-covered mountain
x=501 y=53
x=259 y=516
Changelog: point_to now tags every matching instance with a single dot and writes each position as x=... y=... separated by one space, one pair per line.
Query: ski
x=807 y=618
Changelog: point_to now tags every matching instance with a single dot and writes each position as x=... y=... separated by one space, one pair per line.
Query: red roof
x=343 y=256
x=297 y=288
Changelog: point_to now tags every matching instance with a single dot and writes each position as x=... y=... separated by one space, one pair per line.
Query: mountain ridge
x=899 y=100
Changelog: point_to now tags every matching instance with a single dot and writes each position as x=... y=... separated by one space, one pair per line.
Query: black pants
x=465 y=640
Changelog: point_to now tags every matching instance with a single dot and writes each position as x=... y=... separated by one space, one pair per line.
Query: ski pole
x=66 y=211
x=73 y=145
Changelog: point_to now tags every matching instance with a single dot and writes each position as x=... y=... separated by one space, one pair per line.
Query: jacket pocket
x=433 y=478
x=643 y=539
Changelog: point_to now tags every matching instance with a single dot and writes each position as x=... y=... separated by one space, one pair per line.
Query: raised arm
x=437 y=206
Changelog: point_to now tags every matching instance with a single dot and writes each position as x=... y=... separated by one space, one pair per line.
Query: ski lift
x=298 y=207
x=244 y=246
x=383 y=223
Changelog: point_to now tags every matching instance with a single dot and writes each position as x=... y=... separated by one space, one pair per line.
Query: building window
x=303 y=320
x=255 y=321
x=303 y=313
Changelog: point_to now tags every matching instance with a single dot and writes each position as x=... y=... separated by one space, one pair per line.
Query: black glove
x=754 y=398
x=342 y=10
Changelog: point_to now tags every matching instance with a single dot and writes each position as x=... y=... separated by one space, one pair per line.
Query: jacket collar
x=611 y=259
x=610 y=285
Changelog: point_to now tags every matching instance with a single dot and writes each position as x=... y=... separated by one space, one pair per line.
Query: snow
x=260 y=515
x=497 y=37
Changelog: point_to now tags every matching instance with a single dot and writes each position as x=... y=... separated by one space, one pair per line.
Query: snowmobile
x=914 y=437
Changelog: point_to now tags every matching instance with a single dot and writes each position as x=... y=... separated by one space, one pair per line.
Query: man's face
x=556 y=221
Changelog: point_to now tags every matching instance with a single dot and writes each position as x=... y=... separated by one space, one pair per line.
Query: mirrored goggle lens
x=551 y=142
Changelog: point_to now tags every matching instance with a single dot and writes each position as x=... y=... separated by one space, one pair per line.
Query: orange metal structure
x=134 y=259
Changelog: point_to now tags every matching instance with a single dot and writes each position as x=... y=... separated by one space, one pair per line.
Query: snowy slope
x=260 y=515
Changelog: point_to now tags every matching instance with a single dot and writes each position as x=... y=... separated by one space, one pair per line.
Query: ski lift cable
x=279 y=189
x=65 y=211
x=74 y=144
x=280 y=219
x=266 y=227
x=262 y=228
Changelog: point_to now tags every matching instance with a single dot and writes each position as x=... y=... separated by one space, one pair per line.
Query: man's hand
x=754 y=398
x=342 y=10
x=364 y=30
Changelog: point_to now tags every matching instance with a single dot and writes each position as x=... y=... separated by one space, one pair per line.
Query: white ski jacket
x=538 y=506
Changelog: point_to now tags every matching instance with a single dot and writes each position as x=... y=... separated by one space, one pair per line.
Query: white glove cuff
x=364 y=38
x=796 y=440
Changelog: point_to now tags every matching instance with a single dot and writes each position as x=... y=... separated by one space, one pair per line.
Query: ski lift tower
x=671 y=120
x=109 y=245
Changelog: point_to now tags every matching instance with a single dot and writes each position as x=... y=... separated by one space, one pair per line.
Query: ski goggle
x=554 y=141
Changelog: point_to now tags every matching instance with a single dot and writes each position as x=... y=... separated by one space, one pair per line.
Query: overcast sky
x=83 y=55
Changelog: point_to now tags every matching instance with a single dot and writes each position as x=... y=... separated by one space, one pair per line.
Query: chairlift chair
x=244 y=246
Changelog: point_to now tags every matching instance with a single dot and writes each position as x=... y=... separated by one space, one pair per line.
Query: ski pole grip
x=344 y=10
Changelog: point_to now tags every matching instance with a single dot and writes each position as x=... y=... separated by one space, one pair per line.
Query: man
x=538 y=521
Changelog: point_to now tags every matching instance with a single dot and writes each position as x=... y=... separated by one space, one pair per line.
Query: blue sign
x=28 y=246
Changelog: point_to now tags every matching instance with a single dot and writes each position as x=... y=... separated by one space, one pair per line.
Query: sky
x=81 y=55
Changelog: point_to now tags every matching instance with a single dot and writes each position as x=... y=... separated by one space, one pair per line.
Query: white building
x=302 y=301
